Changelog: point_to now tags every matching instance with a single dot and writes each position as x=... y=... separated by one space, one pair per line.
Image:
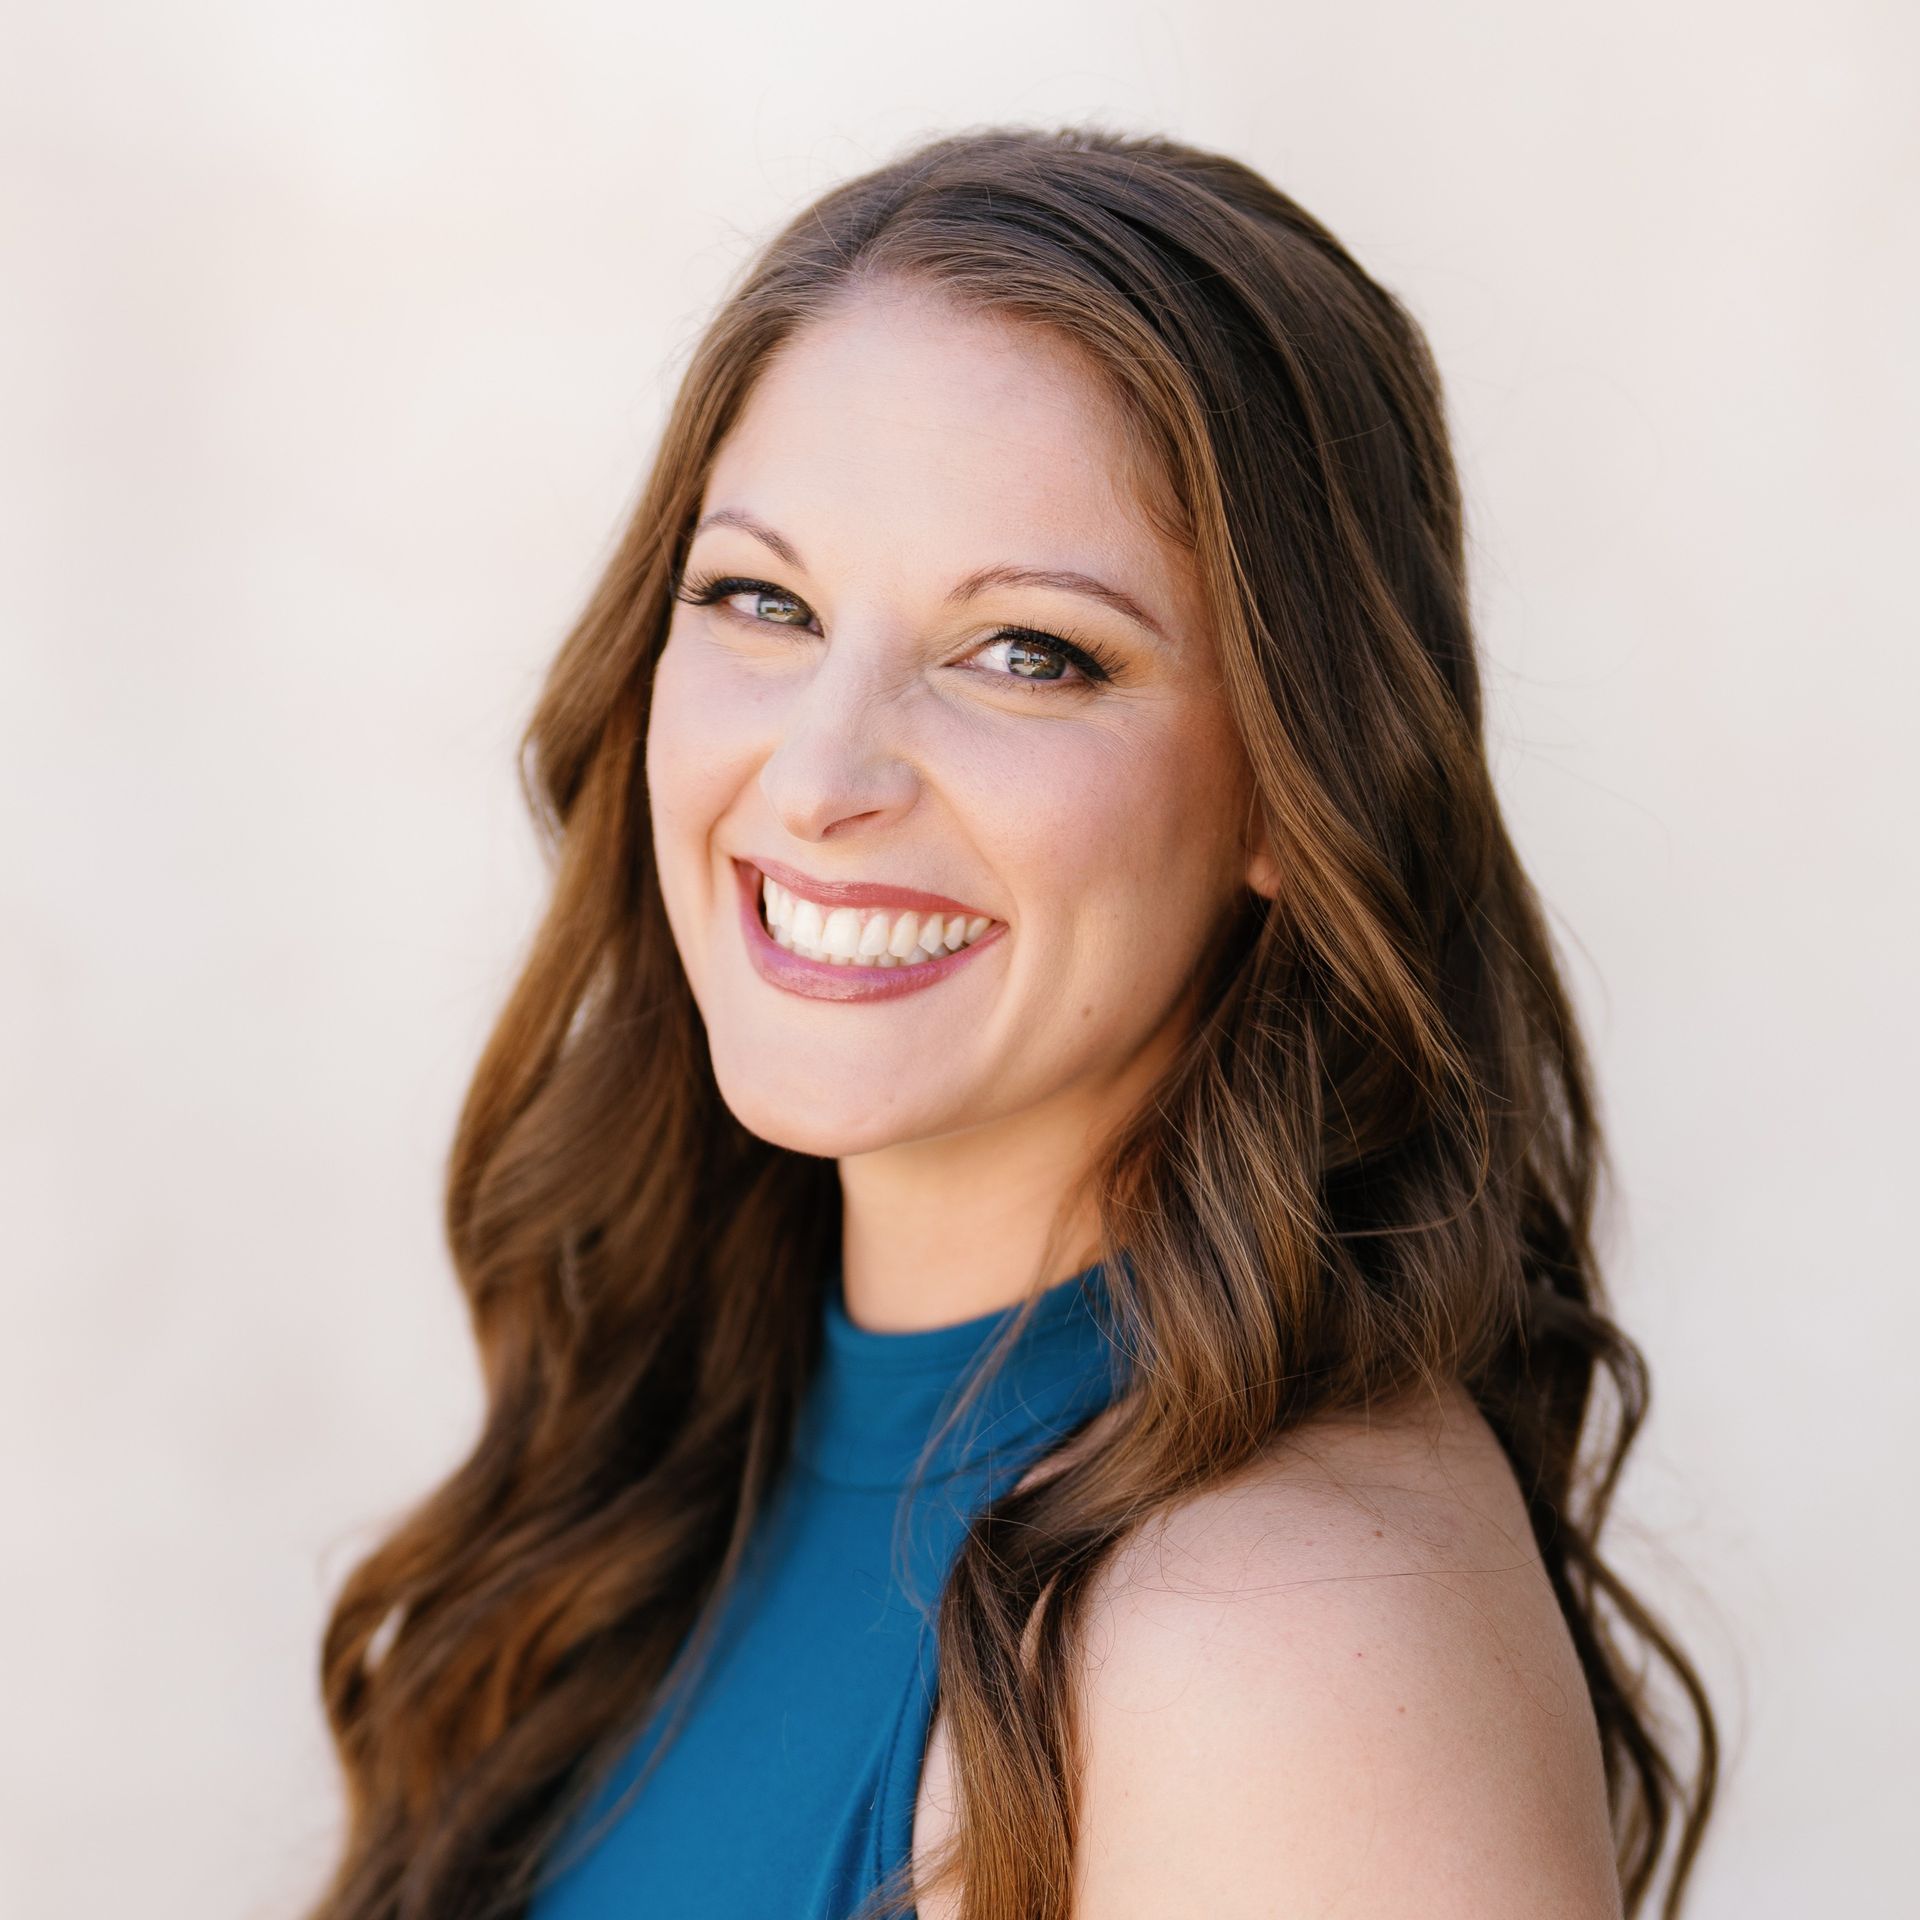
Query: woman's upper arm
x=1344 y=1689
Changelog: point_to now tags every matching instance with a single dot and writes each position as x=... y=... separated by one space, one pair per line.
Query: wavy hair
x=1371 y=1167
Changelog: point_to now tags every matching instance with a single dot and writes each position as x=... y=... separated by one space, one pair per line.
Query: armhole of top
x=900 y=1772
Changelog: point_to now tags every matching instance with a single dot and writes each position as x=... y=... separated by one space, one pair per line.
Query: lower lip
x=821 y=979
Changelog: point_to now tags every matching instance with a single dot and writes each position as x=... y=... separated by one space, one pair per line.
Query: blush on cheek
x=693 y=754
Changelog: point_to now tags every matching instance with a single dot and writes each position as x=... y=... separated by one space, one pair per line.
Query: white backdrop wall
x=333 y=342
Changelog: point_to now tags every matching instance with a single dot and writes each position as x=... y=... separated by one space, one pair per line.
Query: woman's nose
x=838 y=751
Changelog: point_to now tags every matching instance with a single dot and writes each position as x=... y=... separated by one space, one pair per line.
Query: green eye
x=1029 y=649
x=706 y=593
x=1034 y=657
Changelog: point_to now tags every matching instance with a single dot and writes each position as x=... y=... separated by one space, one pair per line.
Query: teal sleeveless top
x=789 y=1786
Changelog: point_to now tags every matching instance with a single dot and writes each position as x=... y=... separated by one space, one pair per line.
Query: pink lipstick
x=821 y=979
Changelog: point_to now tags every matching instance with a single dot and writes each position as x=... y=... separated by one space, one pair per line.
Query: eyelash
x=1099 y=667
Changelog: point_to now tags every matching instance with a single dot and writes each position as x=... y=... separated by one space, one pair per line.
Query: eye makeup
x=1095 y=666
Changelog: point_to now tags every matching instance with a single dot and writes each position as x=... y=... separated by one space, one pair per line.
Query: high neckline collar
x=878 y=1396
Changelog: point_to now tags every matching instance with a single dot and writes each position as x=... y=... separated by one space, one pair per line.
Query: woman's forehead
x=915 y=430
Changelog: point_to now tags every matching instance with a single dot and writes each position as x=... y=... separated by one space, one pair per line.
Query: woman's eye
x=754 y=591
x=1031 y=658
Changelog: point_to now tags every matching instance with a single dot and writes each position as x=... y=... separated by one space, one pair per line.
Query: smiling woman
x=1028 y=1221
x=932 y=701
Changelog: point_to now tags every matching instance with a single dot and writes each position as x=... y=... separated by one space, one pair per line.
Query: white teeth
x=849 y=936
x=841 y=934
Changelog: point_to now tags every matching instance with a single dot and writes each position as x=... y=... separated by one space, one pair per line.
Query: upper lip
x=857 y=893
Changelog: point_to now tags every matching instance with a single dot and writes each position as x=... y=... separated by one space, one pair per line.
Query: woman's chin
x=855 y=1123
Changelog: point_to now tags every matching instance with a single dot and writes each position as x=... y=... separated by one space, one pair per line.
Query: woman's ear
x=1263 y=870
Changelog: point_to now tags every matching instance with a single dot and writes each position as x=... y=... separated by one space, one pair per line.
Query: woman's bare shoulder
x=1341 y=1674
x=1404 y=1488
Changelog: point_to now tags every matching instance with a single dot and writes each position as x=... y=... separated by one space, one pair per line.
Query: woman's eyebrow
x=1002 y=574
x=734 y=517
x=1067 y=581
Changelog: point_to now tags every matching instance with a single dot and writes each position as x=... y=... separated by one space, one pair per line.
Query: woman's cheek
x=692 y=748
x=690 y=786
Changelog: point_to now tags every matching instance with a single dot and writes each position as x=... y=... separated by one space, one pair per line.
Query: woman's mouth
x=839 y=952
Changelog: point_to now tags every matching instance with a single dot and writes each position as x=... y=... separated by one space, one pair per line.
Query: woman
x=1028 y=1218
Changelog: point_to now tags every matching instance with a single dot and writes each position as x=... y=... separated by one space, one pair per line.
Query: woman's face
x=852 y=722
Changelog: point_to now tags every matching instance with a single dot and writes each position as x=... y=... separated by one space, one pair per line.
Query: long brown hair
x=1373 y=1165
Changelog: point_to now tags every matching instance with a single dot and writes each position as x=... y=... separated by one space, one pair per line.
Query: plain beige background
x=335 y=339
